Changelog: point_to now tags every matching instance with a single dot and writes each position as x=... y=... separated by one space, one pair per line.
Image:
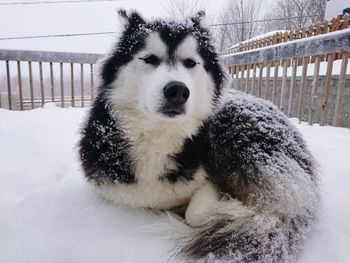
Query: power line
x=113 y=32
x=56 y=2
x=262 y=20
x=61 y=35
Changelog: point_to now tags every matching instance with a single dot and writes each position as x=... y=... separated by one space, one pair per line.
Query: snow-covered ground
x=48 y=213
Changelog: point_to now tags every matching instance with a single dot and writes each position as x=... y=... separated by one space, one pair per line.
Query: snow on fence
x=336 y=23
x=324 y=99
x=24 y=91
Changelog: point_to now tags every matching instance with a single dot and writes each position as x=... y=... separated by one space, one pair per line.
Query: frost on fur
x=104 y=148
x=260 y=159
x=263 y=184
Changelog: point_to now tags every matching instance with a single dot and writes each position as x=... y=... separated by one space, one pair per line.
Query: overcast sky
x=43 y=19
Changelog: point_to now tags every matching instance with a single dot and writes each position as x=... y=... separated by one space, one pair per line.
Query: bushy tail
x=237 y=234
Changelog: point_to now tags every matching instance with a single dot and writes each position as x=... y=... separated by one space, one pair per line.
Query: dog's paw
x=196 y=217
x=201 y=205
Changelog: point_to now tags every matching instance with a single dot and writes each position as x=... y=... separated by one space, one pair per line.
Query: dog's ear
x=122 y=14
x=132 y=19
x=198 y=19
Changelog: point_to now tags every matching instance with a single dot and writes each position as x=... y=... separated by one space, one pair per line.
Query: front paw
x=195 y=218
x=201 y=206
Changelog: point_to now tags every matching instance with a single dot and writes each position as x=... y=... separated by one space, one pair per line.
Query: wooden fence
x=336 y=23
x=14 y=60
x=262 y=72
x=257 y=72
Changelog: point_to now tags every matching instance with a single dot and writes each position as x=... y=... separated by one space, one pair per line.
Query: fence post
x=261 y=67
x=82 y=84
x=313 y=97
x=92 y=80
x=284 y=85
x=242 y=78
x=72 y=84
x=302 y=91
x=31 y=84
x=324 y=107
x=247 y=79
x=41 y=84
x=275 y=78
x=267 y=79
x=340 y=91
x=253 y=79
x=20 y=91
x=62 y=85
x=237 y=78
x=52 y=82
x=292 y=86
x=9 y=92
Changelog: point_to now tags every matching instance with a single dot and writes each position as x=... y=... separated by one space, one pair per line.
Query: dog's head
x=163 y=69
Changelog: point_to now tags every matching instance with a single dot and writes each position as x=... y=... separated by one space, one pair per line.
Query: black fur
x=195 y=152
x=94 y=145
x=234 y=146
x=104 y=150
x=245 y=130
x=133 y=40
x=246 y=135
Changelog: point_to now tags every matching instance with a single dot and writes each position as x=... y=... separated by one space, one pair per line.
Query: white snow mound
x=48 y=213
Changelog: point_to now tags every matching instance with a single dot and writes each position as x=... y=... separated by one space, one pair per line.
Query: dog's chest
x=151 y=161
x=153 y=155
x=152 y=151
x=154 y=193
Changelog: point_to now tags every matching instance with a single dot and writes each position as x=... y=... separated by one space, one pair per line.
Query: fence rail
x=334 y=42
x=260 y=61
x=44 y=56
x=33 y=78
x=80 y=66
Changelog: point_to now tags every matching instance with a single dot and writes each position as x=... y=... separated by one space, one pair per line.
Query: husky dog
x=164 y=133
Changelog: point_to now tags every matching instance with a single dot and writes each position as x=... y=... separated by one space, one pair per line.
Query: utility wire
x=61 y=35
x=56 y=2
x=113 y=32
x=262 y=20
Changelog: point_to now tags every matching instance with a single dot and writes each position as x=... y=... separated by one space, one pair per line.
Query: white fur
x=153 y=193
x=136 y=97
x=139 y=86
x=202 y=205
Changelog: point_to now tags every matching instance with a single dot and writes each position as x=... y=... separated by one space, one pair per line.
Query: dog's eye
x=151 y=59
x=190 y=63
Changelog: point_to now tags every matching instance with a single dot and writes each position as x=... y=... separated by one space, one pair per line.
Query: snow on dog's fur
x=163 y=133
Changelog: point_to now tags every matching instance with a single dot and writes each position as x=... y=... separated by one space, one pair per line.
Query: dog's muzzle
x=176 y=94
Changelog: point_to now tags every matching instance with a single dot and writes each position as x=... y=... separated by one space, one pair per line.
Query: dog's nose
x=176 y=92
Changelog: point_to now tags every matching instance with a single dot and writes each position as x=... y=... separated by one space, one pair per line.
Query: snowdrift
x=48 y=213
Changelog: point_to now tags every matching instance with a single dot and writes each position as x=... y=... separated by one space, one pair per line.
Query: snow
x=329 y=35
x=268 y=34
x=48 y=213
